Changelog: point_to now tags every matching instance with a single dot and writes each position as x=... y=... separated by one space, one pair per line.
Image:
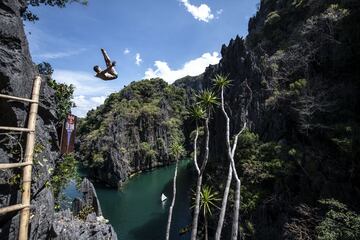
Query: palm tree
x=222 y=82
x=177 y=150
x=207 y=100
x=207 y=202
x=197 y=113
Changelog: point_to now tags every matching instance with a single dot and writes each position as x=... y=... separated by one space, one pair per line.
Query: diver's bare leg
x=106 y=58
x=110 y=65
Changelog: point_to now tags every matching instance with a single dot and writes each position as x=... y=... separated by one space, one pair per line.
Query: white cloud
x=138 y=59
x=56 y=55
x=218 y=13
x=201 y=13
x=84 y=104
x=126 y=51
x=89 y=93
x=191 y=68
x=98 y=100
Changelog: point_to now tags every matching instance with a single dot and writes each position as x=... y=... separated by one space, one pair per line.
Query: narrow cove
x=136 y=211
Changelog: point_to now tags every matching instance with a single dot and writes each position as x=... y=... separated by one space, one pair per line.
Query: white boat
x=163 y=197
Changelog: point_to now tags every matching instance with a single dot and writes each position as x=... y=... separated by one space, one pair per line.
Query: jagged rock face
x=66 y=226
x=16 y=78
x=89 y=199
x=132 y=131
x=237 y=63
x=251 y=60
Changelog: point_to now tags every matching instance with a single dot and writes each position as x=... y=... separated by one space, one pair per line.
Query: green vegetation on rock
x=134 y=129
x=339 y=222
x=65 y=171
x=63 y=92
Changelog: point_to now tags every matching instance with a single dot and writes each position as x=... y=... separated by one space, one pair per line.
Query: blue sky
x=159 y=38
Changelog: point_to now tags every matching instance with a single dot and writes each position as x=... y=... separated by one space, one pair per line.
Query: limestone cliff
x=132 y=131
x=300 y=60
x=16 y=78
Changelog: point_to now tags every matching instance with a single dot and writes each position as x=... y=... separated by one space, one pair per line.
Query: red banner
x=67 y=141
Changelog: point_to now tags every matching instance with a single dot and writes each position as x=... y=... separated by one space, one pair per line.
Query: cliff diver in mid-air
x=109 y=73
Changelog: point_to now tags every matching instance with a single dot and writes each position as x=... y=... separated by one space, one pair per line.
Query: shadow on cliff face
x=5 y=220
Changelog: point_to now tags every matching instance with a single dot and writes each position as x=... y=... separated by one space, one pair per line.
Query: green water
x=136 y=212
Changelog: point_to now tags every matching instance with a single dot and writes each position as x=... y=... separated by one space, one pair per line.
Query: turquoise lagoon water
x=136 y=211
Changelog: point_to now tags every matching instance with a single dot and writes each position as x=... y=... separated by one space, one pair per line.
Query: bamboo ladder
x=24 y=206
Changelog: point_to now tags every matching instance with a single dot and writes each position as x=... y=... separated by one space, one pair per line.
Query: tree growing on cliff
x=29 y=16
x=45 y=68
x=207 y=100
x=222 y=82
x=63 y=92
x=208 y=200
x=177 y=150
x=197 y=113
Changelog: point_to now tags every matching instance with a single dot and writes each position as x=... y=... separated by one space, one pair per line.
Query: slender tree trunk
x=199 y=182
x=224 y=204
x=196 y=209
x=172 y=203
x=195 y=150
x=235 y=223
x=207 y=139
x=206 y=227
x=231 y=154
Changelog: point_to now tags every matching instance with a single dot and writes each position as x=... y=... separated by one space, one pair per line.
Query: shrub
x=298 y=3
x=297 y=86
x=85 y=211
x=63 y=92
x=339 y=222
x=272 y=18
x=63 y=95
x=146 y=148
x=259 y=161
x=97 y=159
x=63 y=173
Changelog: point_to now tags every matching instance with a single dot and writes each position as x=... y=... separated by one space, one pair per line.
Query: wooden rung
x=17 y=129
x=12 y=208
x=14 y=165
x=17 y=98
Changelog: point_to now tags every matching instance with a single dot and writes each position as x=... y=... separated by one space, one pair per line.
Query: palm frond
x=207 y=99
x=177 y=149
x=196 y=112
x=222 y=81
x=208 y=199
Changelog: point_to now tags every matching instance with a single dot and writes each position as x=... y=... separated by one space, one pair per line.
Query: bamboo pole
x=12 y=208
x=15 y=129
x=29 y=151
x=13 y=165
x=16 y=98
